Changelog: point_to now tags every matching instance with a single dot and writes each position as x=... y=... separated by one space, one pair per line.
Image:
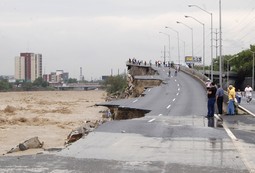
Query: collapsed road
x=167 y=132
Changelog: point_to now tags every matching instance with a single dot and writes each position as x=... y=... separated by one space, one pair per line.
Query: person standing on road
x=231 y=100
x=219 y=99
x=248 y=93
x=211 y=94
x=238 y=96
x=175 y=72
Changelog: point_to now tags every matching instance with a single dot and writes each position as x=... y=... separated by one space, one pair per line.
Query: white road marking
x=179 y=89
x=175 y=81
x=174 y=99
x=168 y=106
x=151 y=120
x=177 y=94
x=238 y=145
x=159 y=115
x=178 y=84
x=135 y=100
x=230 y=134
x=149 y=90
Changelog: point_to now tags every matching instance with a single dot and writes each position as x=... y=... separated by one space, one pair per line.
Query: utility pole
x=216 y=46
x=220 y=32
x=164 y=54
x=168 y=44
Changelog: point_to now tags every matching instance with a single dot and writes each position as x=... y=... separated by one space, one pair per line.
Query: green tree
x=39 y=82
x=72 y=80
x=5 y=85
x=242 y=64
x=27 y=86
x=115 y=84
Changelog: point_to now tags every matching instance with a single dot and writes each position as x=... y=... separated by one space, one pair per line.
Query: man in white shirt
x=248 y=93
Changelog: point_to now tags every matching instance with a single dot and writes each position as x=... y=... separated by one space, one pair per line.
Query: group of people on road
x=157 y=63
x=234 y=97
x=138 y=62
x=215 y=94
x=239 y=94
x=176 y=70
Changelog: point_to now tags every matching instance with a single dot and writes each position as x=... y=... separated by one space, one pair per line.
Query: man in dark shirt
x=211 y=94
x=219 y=99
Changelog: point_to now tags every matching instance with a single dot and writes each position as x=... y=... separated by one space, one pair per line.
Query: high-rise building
x=28 y=66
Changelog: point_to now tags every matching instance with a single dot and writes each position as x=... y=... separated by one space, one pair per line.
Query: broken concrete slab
x=28 y=144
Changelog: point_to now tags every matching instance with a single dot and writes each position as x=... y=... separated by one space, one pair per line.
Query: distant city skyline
x=101 y=35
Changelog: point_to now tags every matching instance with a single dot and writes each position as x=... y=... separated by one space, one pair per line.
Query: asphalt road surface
x=172 y=138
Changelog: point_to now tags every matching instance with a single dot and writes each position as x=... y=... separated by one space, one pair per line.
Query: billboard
x=191 y=59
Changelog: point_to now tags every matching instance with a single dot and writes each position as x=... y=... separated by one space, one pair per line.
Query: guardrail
x=196 y=74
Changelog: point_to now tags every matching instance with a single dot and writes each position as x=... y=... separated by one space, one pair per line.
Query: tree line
x=112 y=85
x=37 y=84
x=241 y=63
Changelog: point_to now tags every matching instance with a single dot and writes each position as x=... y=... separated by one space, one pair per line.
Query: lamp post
x=192 y=50
x=252 y=85
x=220 y=64
x=203 y=40
x=228 y=68
x=184 y=45
x=168 y=43
x=211 y=36
x=178 y=42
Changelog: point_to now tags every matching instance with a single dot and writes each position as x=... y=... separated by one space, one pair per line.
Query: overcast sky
x=100 y=35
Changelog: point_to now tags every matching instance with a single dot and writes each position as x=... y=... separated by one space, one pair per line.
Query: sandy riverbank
x=50 y=115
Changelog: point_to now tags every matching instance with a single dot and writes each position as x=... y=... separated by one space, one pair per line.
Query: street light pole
x=184 y=45
x=168 y=43
x=253 y=71
x=178 y=42
x=203 y=40
x=192 y=50
x=211 y=36
x=220 y=33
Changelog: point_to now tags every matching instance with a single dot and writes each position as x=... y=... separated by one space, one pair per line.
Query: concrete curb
x=246 y=110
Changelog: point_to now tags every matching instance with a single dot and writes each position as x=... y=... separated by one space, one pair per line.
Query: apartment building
x=56 y=77
x=28 y=66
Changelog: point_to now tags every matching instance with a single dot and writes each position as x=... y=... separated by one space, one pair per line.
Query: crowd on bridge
x=157 y=63
x=215 y=95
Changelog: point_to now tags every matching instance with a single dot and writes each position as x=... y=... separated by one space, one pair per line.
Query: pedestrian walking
x=169 y=73
x=219 y=99
x=248 y=93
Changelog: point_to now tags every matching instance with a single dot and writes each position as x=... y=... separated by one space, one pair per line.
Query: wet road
x=140 y=145
x=173 y=137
